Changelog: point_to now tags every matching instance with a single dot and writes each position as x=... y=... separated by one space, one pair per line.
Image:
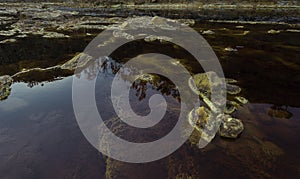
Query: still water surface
x=39 y=136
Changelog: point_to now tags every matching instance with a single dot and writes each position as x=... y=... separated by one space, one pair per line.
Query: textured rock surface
x=5 y=82
x=230 y=127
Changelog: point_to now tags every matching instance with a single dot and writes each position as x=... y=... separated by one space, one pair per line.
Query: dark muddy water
x=39 y=136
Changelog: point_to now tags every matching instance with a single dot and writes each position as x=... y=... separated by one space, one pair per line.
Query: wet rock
x=5 y=82
x=187 y=22
x=208 y=32
x=79 y=61
x=162 y=23
x=200 y=119
x=229 y=80
x=239 y=27
x=230 y=127
x=22 y=36
x=202 y=84
x=231 y=106
x=122 y=34
x=293 y=30
x=229 y=49
x=162 y=39
x=146 y=77
x=233 y=89
x=272 y=31
x=7 y=33
x=4 y=92
x=8 y=41
x=241 y=99
x=245 y=32
x=55 y=35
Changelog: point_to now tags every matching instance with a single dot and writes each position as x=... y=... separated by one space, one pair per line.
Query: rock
x=233 y=89
x=79 y=61
x=293 y=30
x=239 y=27
x=4 y=92
x=246 y=32
x=162 y=39
x=122 y=34
x=146 y=77
x=8 y=41
x=7 y=33
x=200 y=119
x=230 y=127
x=229 y=80
x=161 y=23
x=55 y=35
x=5 y=82
x=231 y=106
x=272 y=31
x=202 y=84
x=22 y=36
x=208 y=32
x=241 y=99
x=187 y=22
x=229 y=49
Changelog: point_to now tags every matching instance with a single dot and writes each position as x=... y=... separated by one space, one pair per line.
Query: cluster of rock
x=204 y=116
x=33 y=19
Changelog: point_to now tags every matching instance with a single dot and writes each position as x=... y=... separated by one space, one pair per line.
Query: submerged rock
x=230 y=127
x=279 y=112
